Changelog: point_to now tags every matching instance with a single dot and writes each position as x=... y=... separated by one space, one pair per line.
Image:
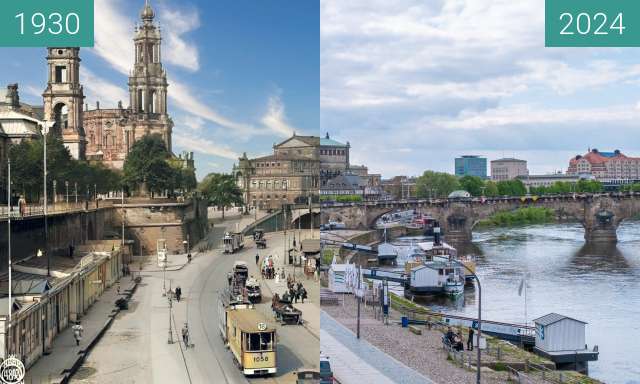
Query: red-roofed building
x=605 y=166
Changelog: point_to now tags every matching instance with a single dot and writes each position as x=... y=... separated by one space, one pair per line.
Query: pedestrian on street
x=77 y=332
x=303 y=294
x=118 y=288
x=470 y=340
x=71 y=251
x=257 y=258
x=178 y=293
x=189 y=257
x=185 y=335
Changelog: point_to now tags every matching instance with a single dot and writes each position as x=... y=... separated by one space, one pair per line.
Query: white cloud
x=193 y=123
x=275 y=118
x=425 y=81
x=99 y=89
x=113 y=35
x=113 y=30
x=204 y=146
x=177 y=23
x=539 y=117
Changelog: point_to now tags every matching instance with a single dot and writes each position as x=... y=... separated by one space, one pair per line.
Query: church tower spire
x=148 y=81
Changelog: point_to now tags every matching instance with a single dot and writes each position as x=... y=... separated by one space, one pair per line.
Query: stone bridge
x=600 y=214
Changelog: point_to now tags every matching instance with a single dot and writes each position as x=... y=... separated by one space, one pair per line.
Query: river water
x=599 y=285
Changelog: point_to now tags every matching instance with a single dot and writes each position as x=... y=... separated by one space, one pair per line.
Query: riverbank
x=422 y=353
x=521 y=216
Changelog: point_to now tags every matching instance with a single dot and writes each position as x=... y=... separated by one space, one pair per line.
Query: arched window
x=61 y=117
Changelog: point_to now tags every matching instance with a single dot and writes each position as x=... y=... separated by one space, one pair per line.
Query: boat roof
x=435 y=265
x=554 y=318
x=429 y=245
x=248 y=320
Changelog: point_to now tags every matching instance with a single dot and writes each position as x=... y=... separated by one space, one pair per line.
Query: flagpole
x=525 y=300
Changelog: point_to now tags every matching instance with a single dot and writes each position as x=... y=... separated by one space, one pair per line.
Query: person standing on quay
x=470 y=340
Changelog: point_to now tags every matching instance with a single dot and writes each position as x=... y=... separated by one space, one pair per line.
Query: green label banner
x=46 y=23
x=592 y=23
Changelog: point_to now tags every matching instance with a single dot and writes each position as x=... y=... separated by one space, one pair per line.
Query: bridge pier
x=600 y=235
x=601 y=227
x=457 y=236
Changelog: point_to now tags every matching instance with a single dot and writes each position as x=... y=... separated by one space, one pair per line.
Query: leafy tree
x=436 y=184
x=630 y=187
x=491 y=189
x=511 y=188
x=472 y=184
x=221 y=190
x=149 y=162
x=27 y=162
x=589 y=186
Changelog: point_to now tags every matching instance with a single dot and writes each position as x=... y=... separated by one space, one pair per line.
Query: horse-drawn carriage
x=259 y=239
x=284 y=311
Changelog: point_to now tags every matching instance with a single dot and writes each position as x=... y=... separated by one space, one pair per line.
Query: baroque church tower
x=63 y=99
x=148 y=83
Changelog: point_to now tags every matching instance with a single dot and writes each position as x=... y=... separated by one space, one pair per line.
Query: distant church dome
x=147 y=12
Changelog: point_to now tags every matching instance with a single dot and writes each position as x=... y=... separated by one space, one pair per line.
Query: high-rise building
x=471 y=165
x=508 y=169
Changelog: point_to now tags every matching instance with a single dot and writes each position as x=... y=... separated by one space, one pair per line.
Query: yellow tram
x=251 y=339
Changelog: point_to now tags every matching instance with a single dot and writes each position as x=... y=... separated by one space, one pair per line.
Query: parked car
x=307 y=376
x=326 y=374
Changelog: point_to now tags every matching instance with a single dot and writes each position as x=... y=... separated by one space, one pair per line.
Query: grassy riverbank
x=521 y=216
x=509 y=353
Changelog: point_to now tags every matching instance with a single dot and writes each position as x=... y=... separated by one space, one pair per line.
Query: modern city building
x=547 y=180
x=608 y=167
x=508 y=169
x=290 y=175
x=471 y=165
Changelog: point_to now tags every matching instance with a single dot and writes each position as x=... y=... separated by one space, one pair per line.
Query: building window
x=140 y=100
x=61 y=74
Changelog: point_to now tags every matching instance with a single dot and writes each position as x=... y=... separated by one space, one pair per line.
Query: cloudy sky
x=413 y=84
x=243 y=74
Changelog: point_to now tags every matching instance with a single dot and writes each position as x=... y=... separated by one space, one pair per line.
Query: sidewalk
x=346 y=354
x=64 y=352
x=311 y=307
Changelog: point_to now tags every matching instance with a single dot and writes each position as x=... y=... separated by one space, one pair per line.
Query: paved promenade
x=64 y=352
x=356 y=361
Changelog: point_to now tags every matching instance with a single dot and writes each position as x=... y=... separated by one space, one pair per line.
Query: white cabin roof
x=554 y=318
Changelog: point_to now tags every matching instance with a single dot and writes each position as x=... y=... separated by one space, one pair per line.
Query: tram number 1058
x=260 y=359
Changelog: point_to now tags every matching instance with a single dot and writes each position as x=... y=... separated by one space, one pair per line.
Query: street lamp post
x=479 y=333
x=9 y=231
x=55 y=192
x=170 y=338
x=66 y=185
x=124 y=213
x=46 y=224
x=76 y=191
